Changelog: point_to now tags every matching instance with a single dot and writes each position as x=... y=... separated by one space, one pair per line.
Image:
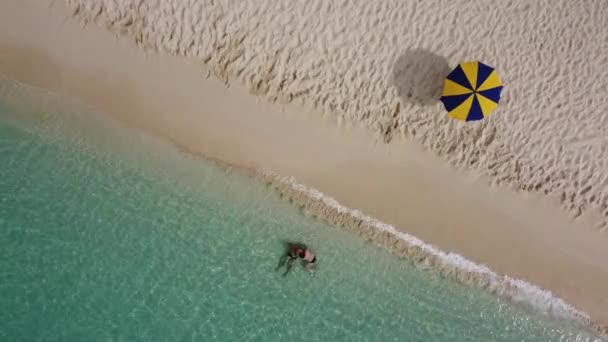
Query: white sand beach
x=342 y=97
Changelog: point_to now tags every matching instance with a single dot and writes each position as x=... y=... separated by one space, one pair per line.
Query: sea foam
x=451 y=265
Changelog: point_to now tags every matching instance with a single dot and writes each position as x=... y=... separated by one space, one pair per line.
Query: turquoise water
x=109 y=235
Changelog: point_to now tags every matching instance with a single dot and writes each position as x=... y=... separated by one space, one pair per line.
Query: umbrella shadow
x=418 y=75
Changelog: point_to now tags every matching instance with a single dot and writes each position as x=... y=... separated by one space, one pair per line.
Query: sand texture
x=381 y=63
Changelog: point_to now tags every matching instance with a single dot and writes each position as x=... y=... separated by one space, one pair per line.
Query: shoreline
x=318 y=206
x=171 y=99
x=422 y=255
x=451 y=266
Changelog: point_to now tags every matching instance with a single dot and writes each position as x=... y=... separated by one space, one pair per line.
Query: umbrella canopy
x=471 y=91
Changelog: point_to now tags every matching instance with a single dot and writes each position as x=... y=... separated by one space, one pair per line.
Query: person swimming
x=295 y=251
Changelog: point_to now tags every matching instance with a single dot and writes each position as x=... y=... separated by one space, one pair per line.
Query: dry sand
x=354 y=60
x=381 y=63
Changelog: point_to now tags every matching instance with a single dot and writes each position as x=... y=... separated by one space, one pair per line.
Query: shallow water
x=108 y=234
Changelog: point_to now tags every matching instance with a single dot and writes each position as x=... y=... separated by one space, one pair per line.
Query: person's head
x=310 y=256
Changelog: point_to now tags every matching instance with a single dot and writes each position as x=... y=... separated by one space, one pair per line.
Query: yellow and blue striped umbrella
x=471 y=91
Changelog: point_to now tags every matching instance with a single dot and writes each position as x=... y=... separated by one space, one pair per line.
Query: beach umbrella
x=471 y=91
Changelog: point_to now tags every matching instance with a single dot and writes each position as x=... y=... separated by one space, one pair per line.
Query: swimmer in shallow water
x=295 y=251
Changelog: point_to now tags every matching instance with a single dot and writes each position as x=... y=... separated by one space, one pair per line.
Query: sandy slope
x=395 y=182
x=381 y=62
